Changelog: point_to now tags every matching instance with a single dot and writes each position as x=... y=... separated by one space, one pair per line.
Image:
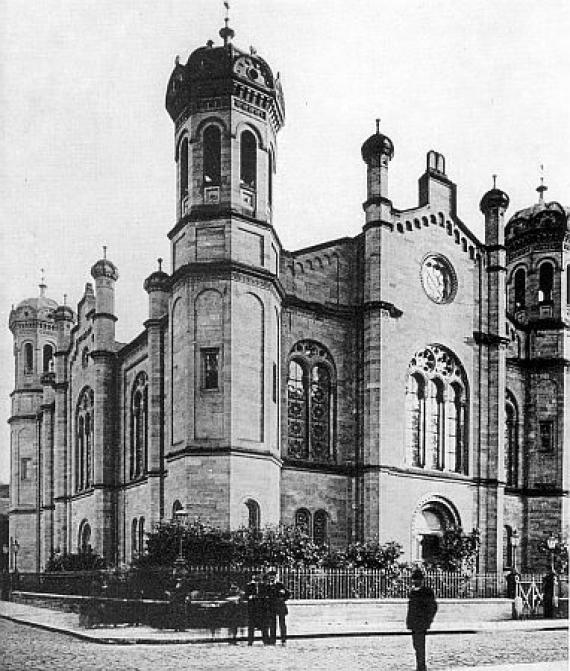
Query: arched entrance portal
x=432 y=519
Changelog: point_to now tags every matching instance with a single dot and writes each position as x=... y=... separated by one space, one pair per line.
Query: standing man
x=255 y=597
x=277 y=595
x=422 y=608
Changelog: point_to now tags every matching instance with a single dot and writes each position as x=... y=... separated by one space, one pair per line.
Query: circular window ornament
x=438 y=279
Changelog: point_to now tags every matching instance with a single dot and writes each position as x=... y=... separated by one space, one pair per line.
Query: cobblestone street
x=25 y=647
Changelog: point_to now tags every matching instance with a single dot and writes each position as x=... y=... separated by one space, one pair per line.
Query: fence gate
x=529 y=590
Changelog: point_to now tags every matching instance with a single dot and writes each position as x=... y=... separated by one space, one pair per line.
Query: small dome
x=39 y=308
x=104 y=268
x=542 y=217
x=158 y=280
x=494 y=198
x=377 y=145
x=37 y=303
x=213 y=72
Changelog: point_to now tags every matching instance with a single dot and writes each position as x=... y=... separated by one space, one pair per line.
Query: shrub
x=75 y=561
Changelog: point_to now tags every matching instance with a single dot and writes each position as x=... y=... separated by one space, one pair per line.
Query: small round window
x=438 y=279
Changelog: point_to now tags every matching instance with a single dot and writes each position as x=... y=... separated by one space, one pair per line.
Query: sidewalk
x=68 y=623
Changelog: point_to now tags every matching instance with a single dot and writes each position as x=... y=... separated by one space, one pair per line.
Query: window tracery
x=436 y=411
x=139 y=426
x=311 y=397
x=84 y=440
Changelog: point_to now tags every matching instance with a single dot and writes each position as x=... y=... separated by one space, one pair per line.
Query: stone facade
x=387 y=385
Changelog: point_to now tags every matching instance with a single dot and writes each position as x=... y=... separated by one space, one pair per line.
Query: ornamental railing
x=212 y=581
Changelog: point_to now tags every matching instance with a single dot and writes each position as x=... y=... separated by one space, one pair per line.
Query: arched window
x=270 y=169
x=28 y=358
x=311 y=397
x=212 y=156
x=433 y=520
x=436 y=406
x=303 y=520
x=134 y=548
x=253 y=514
x=141 y=537
x=415 y=413
x=568 y=284
x=545 y=282
x=248 y=164
x=520 y=289
x=84 y=440
x=183 y=162
x=320 y=527
x=48 y=356
x=508 y=547
x=139 y=426
x=176 y=506
x=511 y=443
x=84 y=537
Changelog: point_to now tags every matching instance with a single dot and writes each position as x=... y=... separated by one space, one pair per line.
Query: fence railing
x=209 y=581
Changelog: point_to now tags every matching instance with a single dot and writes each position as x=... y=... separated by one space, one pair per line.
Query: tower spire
x=542 y=188
x=43 y=285
x=226 y=33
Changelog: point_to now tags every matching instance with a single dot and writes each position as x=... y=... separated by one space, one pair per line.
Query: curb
x=201 y=641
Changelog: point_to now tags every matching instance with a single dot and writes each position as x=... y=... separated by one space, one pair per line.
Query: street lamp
x=180 y=562
x=514 y=544
x=551 y=545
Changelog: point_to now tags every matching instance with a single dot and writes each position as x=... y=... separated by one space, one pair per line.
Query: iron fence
x=308 y=583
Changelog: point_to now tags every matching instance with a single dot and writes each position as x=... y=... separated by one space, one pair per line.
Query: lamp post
x=514 y=544
x=180 y=562
x=551 y=545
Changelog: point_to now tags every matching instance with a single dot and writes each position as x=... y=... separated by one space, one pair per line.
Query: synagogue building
x=387 y=384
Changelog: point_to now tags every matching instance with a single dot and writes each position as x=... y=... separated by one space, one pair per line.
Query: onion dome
x=377 y=145
x=104 y=268
x=158 y=280
x=542 y=221
x=494 y=199
x=38 y=308
x=217 y=72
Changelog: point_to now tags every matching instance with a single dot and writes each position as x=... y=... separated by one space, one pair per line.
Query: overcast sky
x=87 y=146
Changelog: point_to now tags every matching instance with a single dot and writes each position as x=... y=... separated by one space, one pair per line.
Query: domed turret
x=38 y=308
x=377 y=145
x=377 y=152
x=493 y=199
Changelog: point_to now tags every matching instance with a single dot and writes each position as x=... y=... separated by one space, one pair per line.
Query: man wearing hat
x=277 y=595
x=255 y=597
x=422 y=608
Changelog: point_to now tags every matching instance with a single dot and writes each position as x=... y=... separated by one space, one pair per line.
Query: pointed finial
x=542 y=188
x=177 y=60
x=377 y=125
x=159 y=264
x=226 y=33
x=104 y=251
x=65 y=299
x=252 y=50
x=43 y=285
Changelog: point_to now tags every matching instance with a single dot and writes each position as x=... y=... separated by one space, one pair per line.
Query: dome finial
x=542 y=188
x=159 y=264
x=494 y=181
x=226 y=33
x=43 y=285
x=104 y=251
x=378 y=125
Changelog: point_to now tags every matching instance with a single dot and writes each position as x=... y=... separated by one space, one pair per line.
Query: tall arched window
x=303 y=520
x=84 y=440
x=545 y=282
x=311 y=400
x=140 y=545
x=270 y=169
x=511 y=443
x=568 y=284
x=139 y=426
x=28 y=358
x=436 y=406
x=84 y=537
x=253 y=514
x=47 y=358
x=183 y=176
x=134 y=548
x=212 y=156
x=520 y=289
x=248 y=162
x=320 y=527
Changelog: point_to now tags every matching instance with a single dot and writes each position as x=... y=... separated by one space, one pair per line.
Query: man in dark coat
x=255 y=597
x=277 y=595
x=422 y=608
